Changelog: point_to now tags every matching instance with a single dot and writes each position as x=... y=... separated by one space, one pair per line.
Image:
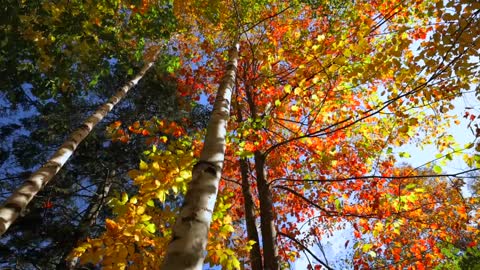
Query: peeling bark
x=20 y=198
x=190 y=233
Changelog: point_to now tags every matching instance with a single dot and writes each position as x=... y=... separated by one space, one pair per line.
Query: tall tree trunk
x=20 y=198
x=88 y=220
x=252 y=233
x=190 y=232
x=267 y=221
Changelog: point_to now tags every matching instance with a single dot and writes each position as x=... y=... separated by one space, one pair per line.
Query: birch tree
x=190 y=233
x=20 y=198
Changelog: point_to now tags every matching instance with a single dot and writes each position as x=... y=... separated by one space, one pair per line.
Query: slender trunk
x=20 y=198
x=87 y=222
x=267 y=221
x=190 y=232
x=252 y=233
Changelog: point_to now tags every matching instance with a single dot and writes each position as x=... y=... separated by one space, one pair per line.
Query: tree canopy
x=325 y=98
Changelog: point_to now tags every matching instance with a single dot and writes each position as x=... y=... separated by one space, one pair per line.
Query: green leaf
x=437 y=169
x=338 y=205
x=366 y=247
x=411 y=185
x=150 y=228
x=151 y=203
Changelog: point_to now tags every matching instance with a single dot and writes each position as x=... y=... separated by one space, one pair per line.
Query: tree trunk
x=190 y=232
x=20 y=198
x=252 y=233
x=87 y=222
x=267 y=221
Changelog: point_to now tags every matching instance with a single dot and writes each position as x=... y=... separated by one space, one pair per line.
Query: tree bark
x=267 y=221
x=190 y=232
x=20 y=198
x=252 y=233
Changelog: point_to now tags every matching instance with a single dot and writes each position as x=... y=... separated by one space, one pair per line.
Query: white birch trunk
x=190 y=234
x=20 y=198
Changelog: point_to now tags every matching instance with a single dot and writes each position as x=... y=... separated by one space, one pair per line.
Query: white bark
x=20 y=198
x=190 y=234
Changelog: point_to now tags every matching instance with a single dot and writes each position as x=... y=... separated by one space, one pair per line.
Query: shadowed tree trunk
x=87 y=222
x=20 y=198
x=255 y=254
x=267 y=221
x=190 y=232
x=252 y=233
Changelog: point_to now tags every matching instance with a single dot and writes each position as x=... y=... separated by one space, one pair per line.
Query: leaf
x=366 y=247
x=411 y=185
x=151 y=203
x=143 y=165
x=437 y=169
x=150 y=228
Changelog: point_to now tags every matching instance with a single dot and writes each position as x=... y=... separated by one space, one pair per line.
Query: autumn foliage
x=325 y=95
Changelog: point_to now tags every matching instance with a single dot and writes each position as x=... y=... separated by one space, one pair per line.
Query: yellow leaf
x=287 y=88
x=235 y=263
x=297 y=90
x=124 y=198
x=161 y=196
x=185 y=174
x=133 y=200
x=347 y=53
x=155 y=166
x=294 y=108
x=143 y=165
x=140 y=210
x=320 y=38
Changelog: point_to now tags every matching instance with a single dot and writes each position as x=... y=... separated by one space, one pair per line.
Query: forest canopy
x=240 y=134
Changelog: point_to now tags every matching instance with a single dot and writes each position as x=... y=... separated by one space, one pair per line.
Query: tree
x=348 y=63
x=191 y=228
x=51 y=230
x=325 y=93
x=17 y=202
